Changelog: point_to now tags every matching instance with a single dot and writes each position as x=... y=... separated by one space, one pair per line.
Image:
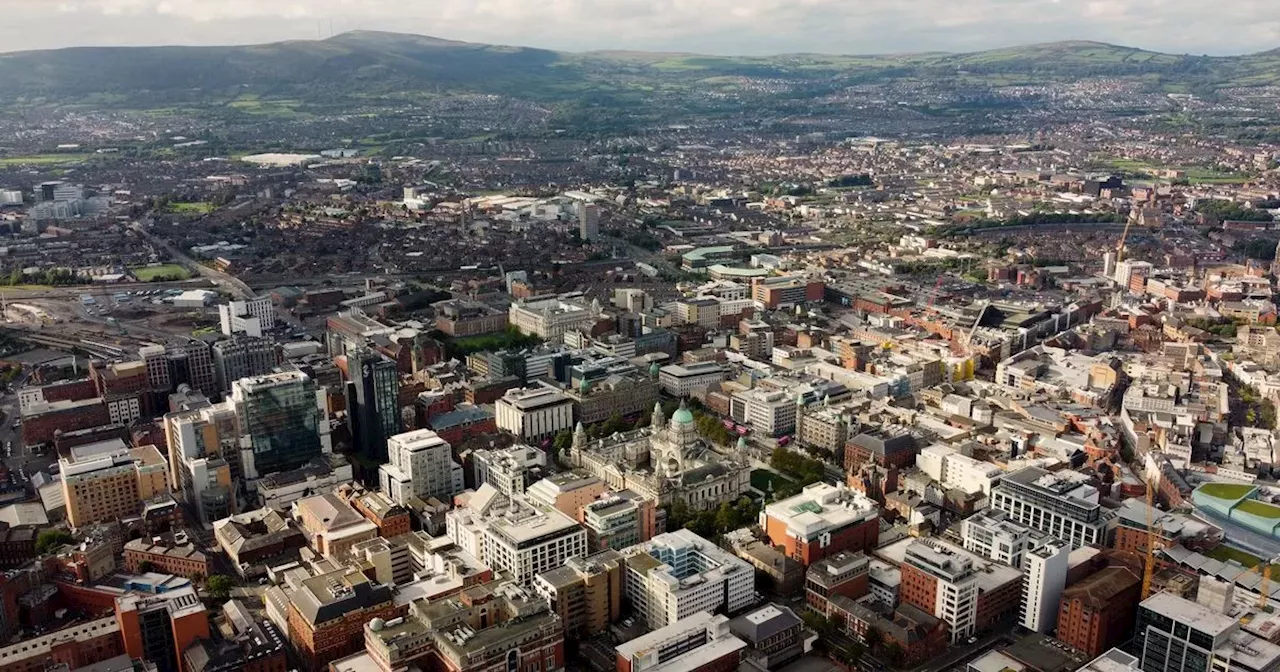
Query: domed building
x=666 y=461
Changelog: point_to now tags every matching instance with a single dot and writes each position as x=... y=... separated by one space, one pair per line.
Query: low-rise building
x=700 y=642
x=586 y=593
x=821 y=521
x=165 y=554
x=677 y=574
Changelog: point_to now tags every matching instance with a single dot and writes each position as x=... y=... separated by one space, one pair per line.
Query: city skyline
x=754 y=27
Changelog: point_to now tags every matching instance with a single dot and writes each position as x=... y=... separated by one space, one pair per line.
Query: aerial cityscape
x=379 y=352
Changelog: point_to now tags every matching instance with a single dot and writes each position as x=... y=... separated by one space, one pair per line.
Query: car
x=971 y=640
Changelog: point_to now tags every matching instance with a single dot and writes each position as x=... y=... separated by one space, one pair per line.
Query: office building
x=332 y=526
x=772 y=413
x=159 y=627
x=774 y=634
x=588 y=221
x=586 y=593
x=240 y=643
x=1060 y=504
x=617 y=521
x=1097 y=612
x=691 y=380
x=786 y=291
x=512 y=470
x=952 y=469
x=166 y=553
x=567 y=492
x=678 y=574
x=76 y=647
x=700 y=642
x=529 y=540
x=943 y=583
x=1178 y=635
x=822 y=520
x=282 y=422
x=108 y=481
x=252 y=317
x=327 y=614
x=243 y=357
x=256 y=538
x=550 y=318
x=1044 y=578
x=190 y=363
x=460 y=318
x=844 y=573
x=534 y=413
x=374 y=408
x=420 y=464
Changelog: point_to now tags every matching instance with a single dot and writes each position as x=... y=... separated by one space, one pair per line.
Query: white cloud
x=708 y=26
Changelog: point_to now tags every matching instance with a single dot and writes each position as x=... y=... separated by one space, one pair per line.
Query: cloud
x=708 y=26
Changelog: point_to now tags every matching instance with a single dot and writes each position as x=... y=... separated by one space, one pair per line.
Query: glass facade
x=282 y=422
x=377 y=405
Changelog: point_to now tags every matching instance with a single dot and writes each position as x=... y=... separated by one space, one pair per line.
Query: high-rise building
x=1059 y=503
x=160 y=627
x=677 y=574
x=588 y=221
x=943 y=583
x=1044 y=577
x=420 y=464
x=1178 y=635
x=108 y=481
x=374 y=404
x=281 y=420
x=251 y=317
x=243 y=356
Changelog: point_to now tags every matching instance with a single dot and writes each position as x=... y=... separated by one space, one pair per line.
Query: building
x=204 y=459
x=700 y=642
x=953 y=469
x=1044 y=578
x=884 y=449
x=282 y=422
x=420 y=464
x=678 y=574
x=108 y=481
x=514 y=469
x=844 y=573
x=327 y=614
x=528 y=540
x=1178 y=635
x=1097 y=612
x=1060 y=504
x=588 y=221
x=774 y=635
x=567 y=492
x=822 y=520
x=535 y=413
x=824 y=427
x=75 y=647
x=323 y=474
x=243 y=356
x=617 y=395
x=40 y=421
x=551 y=318
x=252 y=316
x=257 y=538
x=617 y=521
x=331 y=525
x=691 y=380
x=159 y=627
x=786 y=291
x=460 y=318
x=374 y=407
x=166 y=554
x=943 y=583
x=586 y=593
x=772 y=413
x=240 y=644
x=391 y=519
x=664 y=462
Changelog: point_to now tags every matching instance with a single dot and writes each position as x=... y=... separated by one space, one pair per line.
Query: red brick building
x=38 y=428
x=77 y=646
x=392 y=519
x=1098 y=612
x=845 y=573
x=885 y=450
x=822 y=521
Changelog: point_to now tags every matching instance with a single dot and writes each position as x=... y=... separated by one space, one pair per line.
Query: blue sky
x=703 y=26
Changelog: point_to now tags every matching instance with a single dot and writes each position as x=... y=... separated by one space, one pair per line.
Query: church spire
x=579 y=437
x=659 y=418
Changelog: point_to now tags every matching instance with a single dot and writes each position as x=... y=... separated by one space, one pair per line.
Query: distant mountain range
x=372 y=63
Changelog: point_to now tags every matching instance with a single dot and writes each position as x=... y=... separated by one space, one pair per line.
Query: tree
x=894 y=654
x=219 y=586
x=727 y=518
x=146 y=566
x=48 y=540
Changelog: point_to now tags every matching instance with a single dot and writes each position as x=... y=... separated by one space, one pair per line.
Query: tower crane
x=1123 y=237
x=1152 y=536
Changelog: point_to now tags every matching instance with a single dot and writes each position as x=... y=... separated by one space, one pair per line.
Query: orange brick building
x=327 y=615
x=74 y=647
x=822 y=521
x=160 y=627
x=1098 y=612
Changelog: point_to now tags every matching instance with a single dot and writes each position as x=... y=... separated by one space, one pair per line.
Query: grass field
x=761 y=478
x=1225 y=553
x=41 y=159
x=1228 y=491
x=196 y=208
x=149 y=273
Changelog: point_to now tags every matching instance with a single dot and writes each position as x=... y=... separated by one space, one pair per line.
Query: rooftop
x=822 y=507
x=1190 y=613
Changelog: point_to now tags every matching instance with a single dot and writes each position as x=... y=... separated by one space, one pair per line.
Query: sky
x=731 y=27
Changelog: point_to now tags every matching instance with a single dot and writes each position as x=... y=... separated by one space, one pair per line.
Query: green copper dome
x=683 y=416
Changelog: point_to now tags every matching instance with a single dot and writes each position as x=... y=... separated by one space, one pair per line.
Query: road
x=232 y=284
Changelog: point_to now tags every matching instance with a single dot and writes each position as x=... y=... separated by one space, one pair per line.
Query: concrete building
x=108 y=481
x=678 y=574
x=332 y=526
x=691 y=380
x=534 y=413
x=243 y=356
x=772 y=413
x=251 y=317
x=943 y=583
x=588 y=221
x=1178 y=635
x=1044 y=578
x=786 y=291
x=514 y=534
x=1059 y=504
x=617 y=521
x=586 y=593
x=822 y=520
x=513 y=470
x=204 y=459
x=420 y=465
x=700 y=642
x=567 y=492
x=955 y=470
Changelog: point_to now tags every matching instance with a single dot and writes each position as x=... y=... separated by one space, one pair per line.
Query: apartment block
x=420 y=464
x=1060 y=504
x=586 y=593
x=108 y=481
x=677 y=574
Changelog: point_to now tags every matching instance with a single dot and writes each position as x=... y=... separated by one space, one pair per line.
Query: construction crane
x=1123 y=237
x=1149 y=565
